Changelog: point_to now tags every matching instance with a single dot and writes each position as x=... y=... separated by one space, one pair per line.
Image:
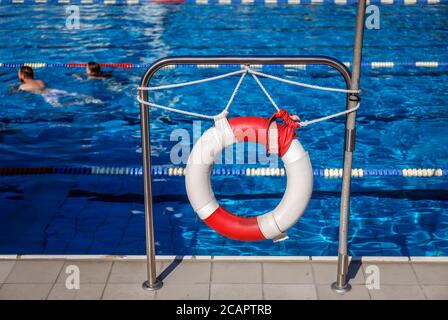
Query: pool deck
x=205 y=277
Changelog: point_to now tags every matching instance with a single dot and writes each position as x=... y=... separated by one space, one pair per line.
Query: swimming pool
x=402 y=124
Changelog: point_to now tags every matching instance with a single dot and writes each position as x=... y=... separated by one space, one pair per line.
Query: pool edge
x=226 y=258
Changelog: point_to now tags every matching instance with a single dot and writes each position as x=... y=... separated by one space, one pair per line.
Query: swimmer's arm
x=16 y=90
x=78 y=77
x=102 y=76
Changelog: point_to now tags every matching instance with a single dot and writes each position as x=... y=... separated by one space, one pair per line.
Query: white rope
x=264 y=90
x=188 y=113
x=331 y=116
x=301 y=84
x=189 y=83
x=243 y=73
x=235 y=91
x=201 y=115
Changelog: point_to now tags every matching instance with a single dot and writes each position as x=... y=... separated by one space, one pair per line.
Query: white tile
x=261 y=258
x=25 y=291
x=89 y=271
x=86 y=291
x=195 y=291
x=384 y=259
x=130 y=272
x=392 y=273
x=289 y=292
x=432 y=273
x=126 y=291
x=77 y=257
x=287 y=272
x=48 y=257
x=436 y=292
x=358 y=292
x=236 y=291
x=186 y=272
x=326 y=272
x=8 y=256
x=429 y=259
x=5 y=268
x=324 y=258
x=202 y=258
x=236 y=272
x=332 y=258
x=398 y=292
x=34 y=272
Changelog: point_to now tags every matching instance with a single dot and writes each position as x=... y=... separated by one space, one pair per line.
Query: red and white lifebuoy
x=271 y=225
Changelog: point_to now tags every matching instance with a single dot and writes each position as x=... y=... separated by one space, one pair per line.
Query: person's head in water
x=28 y=83
x=26 y=73
x=93 y=69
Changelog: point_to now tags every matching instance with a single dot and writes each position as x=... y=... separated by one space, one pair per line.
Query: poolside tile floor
x=237 y=272
x=237 y=291
x=289 y=292
x=87 y=291
x=287 y=273
x=209 y=278
x=325 y=272
x=93 y=271
x=394 y=273
x=130 y=272
x=434 y=274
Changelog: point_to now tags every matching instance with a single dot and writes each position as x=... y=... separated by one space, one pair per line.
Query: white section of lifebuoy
x=268 y=226
x=299 y=186
x=199 y=167
x=207 y=210
x=272 y=224
x=294 y=153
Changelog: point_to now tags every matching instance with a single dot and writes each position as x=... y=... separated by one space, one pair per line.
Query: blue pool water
x=402 y=124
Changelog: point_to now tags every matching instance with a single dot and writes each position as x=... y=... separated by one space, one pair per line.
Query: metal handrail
x=341 y=284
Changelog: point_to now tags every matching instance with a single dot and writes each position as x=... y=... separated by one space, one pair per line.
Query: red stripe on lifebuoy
x=233 y=226
x=255 y=129
x=250 y=129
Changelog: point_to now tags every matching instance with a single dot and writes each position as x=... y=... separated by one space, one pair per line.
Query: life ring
x=271 y=225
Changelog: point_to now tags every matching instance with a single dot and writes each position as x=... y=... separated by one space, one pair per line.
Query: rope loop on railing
x=245 y=70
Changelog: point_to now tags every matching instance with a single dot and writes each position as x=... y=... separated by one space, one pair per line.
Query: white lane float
x=277 y=138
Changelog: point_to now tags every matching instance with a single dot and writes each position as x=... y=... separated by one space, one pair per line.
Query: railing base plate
x=156 y=286
x=341 y=290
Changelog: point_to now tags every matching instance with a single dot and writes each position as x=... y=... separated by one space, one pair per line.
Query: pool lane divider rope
x=249 y=171
x=288 y=67
x=224 y=2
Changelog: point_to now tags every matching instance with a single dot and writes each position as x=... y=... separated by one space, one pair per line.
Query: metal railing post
x=153 y=283
x=341 y=285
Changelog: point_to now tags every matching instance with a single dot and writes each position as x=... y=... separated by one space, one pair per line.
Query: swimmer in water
x=28 y=83
x=93 y=71
x=51 y=96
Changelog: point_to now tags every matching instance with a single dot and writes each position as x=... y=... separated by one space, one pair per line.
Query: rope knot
x=290 y=120
x=286 y=132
